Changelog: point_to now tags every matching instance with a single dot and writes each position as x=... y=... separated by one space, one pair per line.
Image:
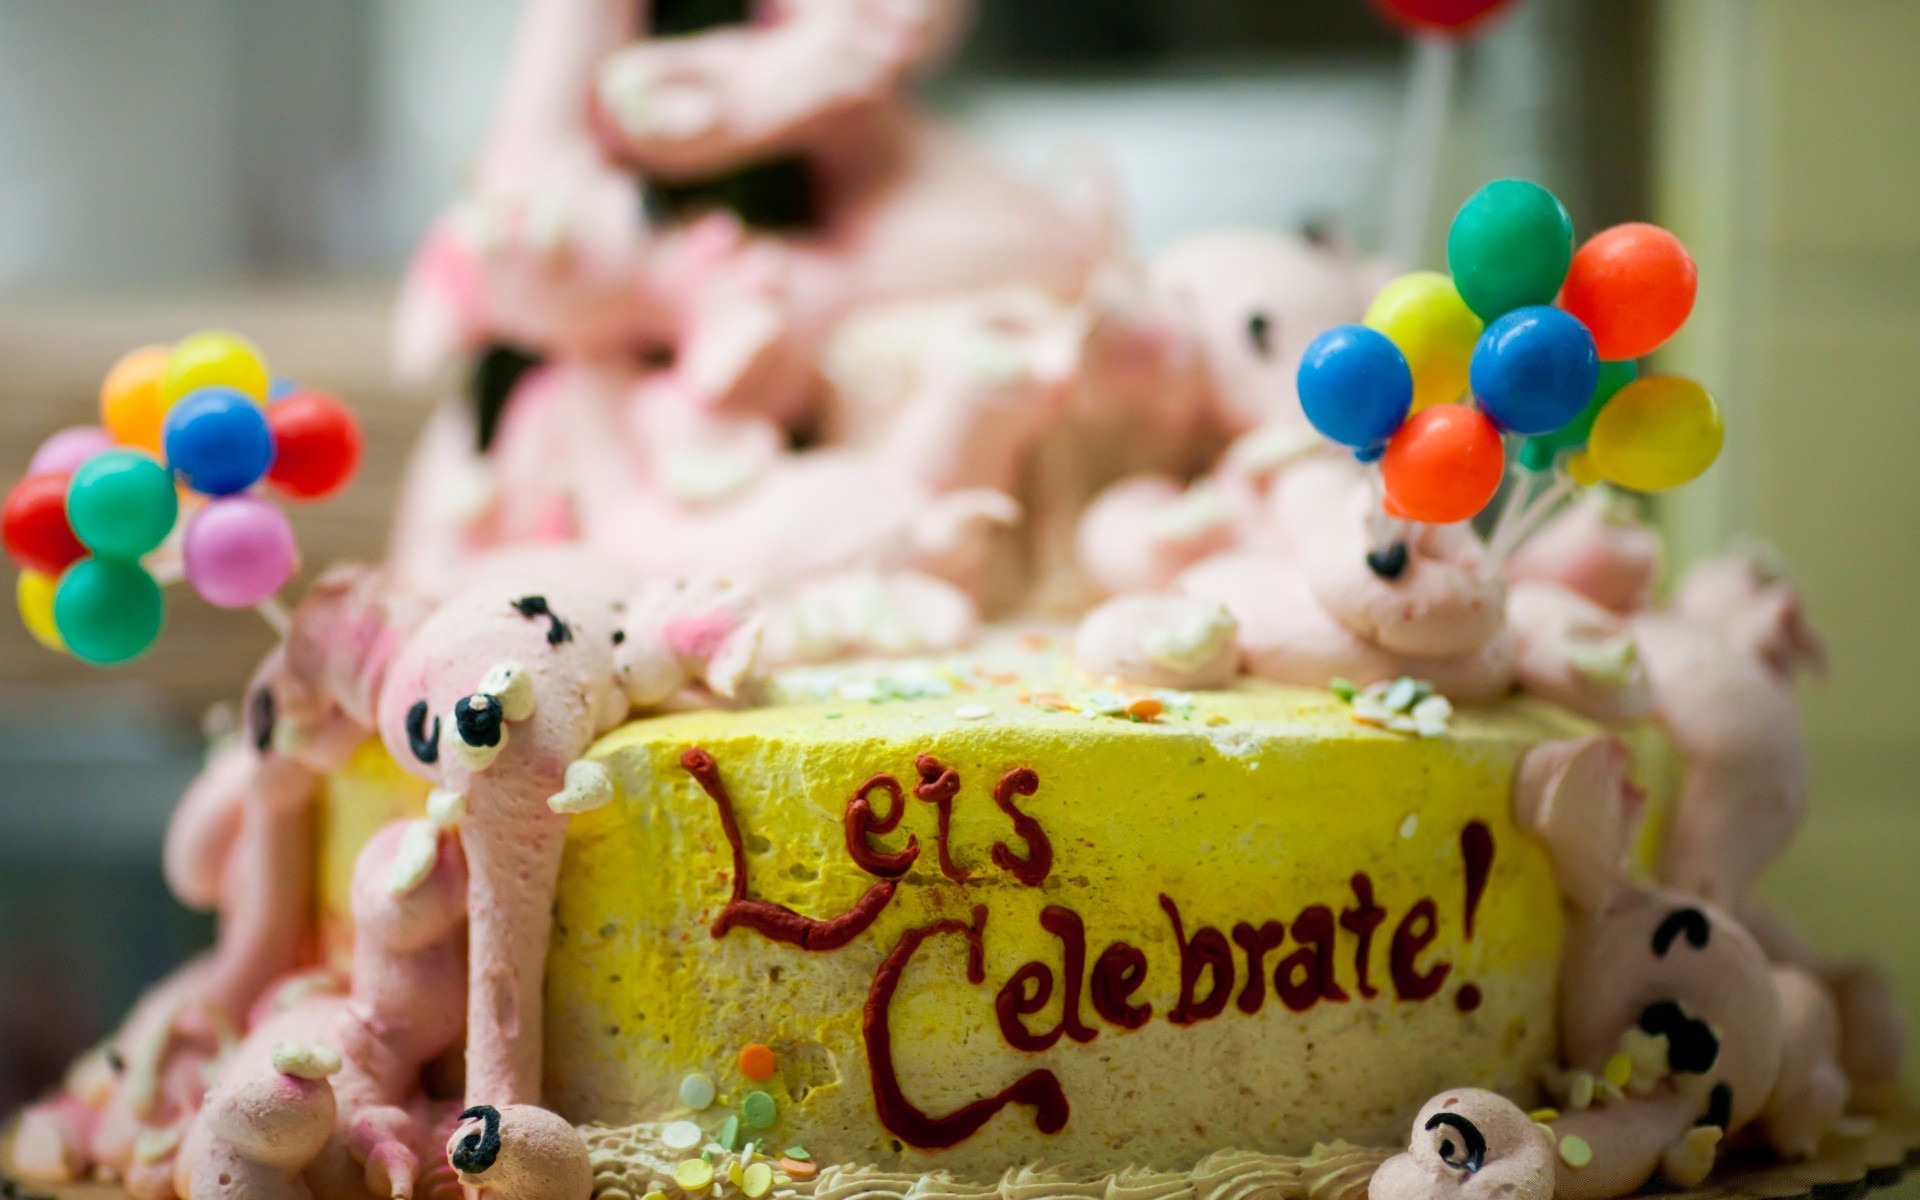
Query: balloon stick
x=274 y=614
x=1423 y=125
x=1536 y=514
x=1520 y=486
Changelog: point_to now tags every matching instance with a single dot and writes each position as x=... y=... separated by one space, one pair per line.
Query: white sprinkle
x=681 y=1135
x=1410 y=826
x=973 y=712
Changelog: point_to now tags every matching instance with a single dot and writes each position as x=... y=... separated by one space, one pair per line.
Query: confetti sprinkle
x=729 y=1137
x=1575 y=1151
x=1619 y=1070
x=756 y=1180
x=1410 y=826
x=681 y=1135
x=1406 y=705
x=1145 y=709
x=758 y=1062
x=797 y=1153
x=1580 y=1093
x=798 y=1168
x=1545 y=1115
x=696 y=1091
x=973 y=712
x=694 y=1175
x=655 y=1194
x=758 y=1110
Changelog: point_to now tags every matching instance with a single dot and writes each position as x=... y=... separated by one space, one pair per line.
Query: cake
x=932 y=705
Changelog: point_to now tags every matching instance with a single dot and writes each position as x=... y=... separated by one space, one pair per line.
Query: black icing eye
x=1690 y=922
x=1461 y=1144
x=116 y=1061
x=478 y=1150
x=1260 y=333
x=478 y=719
x=1692 y=1047
x=423 y=740
x=261 y=714
x=534 y=608
x=1719 y=1107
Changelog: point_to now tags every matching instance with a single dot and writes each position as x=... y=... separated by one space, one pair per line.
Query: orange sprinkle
x=1035 y=641
x=758 y=1062
x=1053 y=700
x=798 y=1169
x=1145 y=710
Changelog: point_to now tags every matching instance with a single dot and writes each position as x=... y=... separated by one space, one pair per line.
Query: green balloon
x=1510 y=246
x=1538 y=453
x=121 y=504
x=108 y=612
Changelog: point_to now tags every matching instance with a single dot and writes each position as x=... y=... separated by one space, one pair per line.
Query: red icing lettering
x=776 y=922
x=1361 y=920
x=1415 y=933
x=1034 y=868
x=938 y=785
x=860 y=823
x=1256 y=942
x=1117 y=975
x=1305 y=977
x=1016 y=999
x=1206 y=952
x=1039 y=1090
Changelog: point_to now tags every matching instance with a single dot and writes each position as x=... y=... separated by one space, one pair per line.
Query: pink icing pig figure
x=1674 y=1025
x=1577 y=654
x=1468 y=1144
x=259 y=1130
x=405 y=1005
x=519 y=1152
x=1598 y=548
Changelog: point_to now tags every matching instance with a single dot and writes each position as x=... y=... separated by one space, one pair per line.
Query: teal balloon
x=1538 y=453
x=108 y=612
x=1510 y=246
x=121 y=504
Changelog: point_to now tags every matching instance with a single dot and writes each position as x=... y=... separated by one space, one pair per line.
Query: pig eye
x=423 y=740
x=1260 y=333
x=1690 y=923
x=1460 y=1143
x=261 y=715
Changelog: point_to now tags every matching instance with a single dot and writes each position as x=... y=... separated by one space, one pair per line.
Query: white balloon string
x=1416 y=167
x=1520 y=484
x=1527 y=523
x=274 y=614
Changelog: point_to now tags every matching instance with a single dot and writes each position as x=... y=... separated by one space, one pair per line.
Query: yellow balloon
x=1423 y=314
x=214 y=358
x=34 y=594
x=1656 y=433
x=130 y=408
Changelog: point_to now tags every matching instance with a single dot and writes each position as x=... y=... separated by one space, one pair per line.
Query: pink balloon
x=63 y=453
x=239 y=551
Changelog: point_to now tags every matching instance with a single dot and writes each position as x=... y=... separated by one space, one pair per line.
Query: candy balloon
x=1423 y=315
x=1443 y=466
x=1534 y=370
x=122 y=505
x=1656 y=433
x=63 y=453
x=1355 y=386
x=35 y=527
x=108 y=612
x=317 y=445
x=130 y=405
x=238 y=551
x=1440 y=16
x=1539 y=452
x=218 y=441
x=34 y=595
x=1509 y=247
x=214 y=358
x=1633 y=286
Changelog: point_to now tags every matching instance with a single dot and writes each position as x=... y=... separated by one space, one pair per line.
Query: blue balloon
x=218 y=441
x=1355 y=386
x=1534 y=369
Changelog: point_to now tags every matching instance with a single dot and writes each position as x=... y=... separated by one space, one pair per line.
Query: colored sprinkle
x=973 y=712
x=758 y=1110
x=1145 y=709
x=1218 y=719
x=696 y=1091
x=1547 y=1132
x=735 y=1172
x=1619 y=1070
x=1544 y=1115
x=1410 y=826
x=798 y=1168
x=758 y=1062
x=694 y=1175
x=1344 y=689
x=729 y=1137
x=682 y=1135
x=757 y=1180
x=1575 y=1151
x=797 y=1153
x=655 y=1194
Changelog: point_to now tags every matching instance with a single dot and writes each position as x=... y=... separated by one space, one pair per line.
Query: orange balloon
x=130 y=407
x=1443 y=465
x=1632 y=286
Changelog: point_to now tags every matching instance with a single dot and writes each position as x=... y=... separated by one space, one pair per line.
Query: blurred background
x=168 y=164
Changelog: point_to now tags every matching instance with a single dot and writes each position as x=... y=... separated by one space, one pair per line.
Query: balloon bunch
x=192 y=428
x=1528 y=339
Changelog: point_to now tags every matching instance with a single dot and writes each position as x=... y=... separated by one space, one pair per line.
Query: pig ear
x=732 y=665
x=1576 y=797
x=1785 y=638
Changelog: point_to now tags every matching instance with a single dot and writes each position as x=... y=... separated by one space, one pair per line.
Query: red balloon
x=1439 y=16
x=35 y=527
x=1633 y=287
x=317 y=445
x=1443 y=465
